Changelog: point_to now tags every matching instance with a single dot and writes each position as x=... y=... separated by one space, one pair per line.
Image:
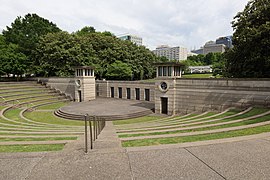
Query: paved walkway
x=245 y=159
x=107 y=107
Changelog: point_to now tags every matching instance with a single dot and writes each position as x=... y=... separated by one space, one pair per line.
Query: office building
x=212 y=47
x=227 y=41
x=128 y=37
x=172 y=53
x=198 y=51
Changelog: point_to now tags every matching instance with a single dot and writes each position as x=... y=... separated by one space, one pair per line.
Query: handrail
x=96 y=125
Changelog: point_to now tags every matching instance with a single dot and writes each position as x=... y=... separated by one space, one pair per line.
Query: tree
x=11 y=60
x=250 y=56
x=85 y=30
x=119 y=71
x=58 y=52
x=25 y=32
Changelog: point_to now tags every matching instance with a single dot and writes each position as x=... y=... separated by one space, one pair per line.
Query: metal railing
x=96 y=125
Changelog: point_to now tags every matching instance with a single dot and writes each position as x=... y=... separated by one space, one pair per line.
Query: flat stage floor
x=107 y=107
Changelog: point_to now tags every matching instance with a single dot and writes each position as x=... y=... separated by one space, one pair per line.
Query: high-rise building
x=172 y=53
x=128 y=37
x=215 y=46
x=198 y=51
x=211 y=46
x=227 y=41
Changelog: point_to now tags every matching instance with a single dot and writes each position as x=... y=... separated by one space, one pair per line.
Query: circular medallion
x=163 y=86
x=78 y=83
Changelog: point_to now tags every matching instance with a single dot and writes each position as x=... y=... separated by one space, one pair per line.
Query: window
x=176 y=71
x=159 y=71
x=165 y=70
x=169 y=71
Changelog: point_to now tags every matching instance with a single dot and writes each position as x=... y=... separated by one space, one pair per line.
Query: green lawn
x=252 y=121
x=175 y=140
x=197 y=75
x=2 y=139
x=52 y=106
x=48 y=117
x=31 y=148
x=136 y=120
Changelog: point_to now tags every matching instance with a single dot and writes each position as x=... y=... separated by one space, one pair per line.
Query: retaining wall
x=184 y=95
x=64 y=85
x=219 y=94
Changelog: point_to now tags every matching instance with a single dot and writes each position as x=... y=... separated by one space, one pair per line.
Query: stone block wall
x=64 y=85
x=103 y=89
x=219 y=94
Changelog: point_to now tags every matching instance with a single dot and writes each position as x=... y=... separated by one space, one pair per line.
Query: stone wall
x=103 y=89
x=64 y=85
x=184 y=95
x=219 y=94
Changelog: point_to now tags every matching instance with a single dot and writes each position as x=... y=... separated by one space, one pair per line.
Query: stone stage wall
x=64 y=85
x=103 y=89
x=219 y=94
x=184 y=95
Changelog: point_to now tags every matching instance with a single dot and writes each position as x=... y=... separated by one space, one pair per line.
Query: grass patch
x=48 y=117
x=178 y=123
x=52 y=106
x=252 y=121
x=21 y=134
x=197 y=75
x=136 y=120
x=31 y=148
x=175 y=140
x=37 y=139
x=2 y=107
x=14 y=114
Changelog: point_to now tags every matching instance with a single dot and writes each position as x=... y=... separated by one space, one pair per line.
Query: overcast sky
x=188 y=23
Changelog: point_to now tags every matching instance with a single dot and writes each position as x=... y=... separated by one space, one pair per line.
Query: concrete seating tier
x=14 y=125
x=65 y=115
x=196 y=125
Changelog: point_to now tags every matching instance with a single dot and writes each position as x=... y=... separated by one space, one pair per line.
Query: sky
x=188 y=23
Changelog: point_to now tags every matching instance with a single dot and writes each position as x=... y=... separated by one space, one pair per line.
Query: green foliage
x=11 y=60
x=85 y=30
x=58 y=52
x=202 y=60
x=25 y=33
x=250 y=56
x=119 y=71
x=215 y=59
x=43 y=49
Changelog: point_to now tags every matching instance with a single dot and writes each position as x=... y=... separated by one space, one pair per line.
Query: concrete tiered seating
x=196 y=124
x=19 y=99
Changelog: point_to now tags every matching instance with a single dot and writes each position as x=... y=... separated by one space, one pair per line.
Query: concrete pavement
x=243 y=159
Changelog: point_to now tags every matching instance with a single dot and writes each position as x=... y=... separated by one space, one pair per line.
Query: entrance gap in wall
x=80 y=96
x=137 y=93
x=164 y=105
x=120 y=92
x=112 y=92
x=147 y=94
x=128 y=93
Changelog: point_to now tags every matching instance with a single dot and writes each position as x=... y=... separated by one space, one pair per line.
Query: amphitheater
x=221 y=130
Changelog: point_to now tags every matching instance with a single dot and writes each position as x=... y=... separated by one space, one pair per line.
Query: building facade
x=227 y=41
x=215 y=46
x=172 y=53
x=200 y=69
x=212 y=47
x=132 y=38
